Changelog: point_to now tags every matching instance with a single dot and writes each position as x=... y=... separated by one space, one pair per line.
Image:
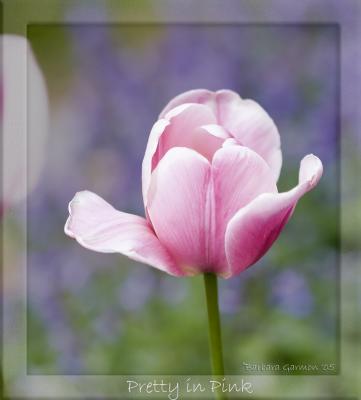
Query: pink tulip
x=209 y=188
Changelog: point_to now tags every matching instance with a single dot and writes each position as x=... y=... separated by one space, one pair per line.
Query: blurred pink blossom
x=24 y=117
x=209 y=189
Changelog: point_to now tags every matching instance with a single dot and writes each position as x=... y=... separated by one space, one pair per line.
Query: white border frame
x=205 y=11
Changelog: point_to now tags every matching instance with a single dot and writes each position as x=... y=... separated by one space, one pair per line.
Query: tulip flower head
x=209 y=180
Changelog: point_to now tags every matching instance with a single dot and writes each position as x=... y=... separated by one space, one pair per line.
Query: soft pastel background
x=104 y=314
x=92 y=313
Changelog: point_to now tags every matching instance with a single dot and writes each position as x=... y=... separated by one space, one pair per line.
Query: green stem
x=214 y=327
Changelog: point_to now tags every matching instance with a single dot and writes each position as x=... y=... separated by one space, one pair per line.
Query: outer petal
x=251 y=232
x=239 y=175
x=176 y=203
x=98 y=226
x=156 y=132
x=216 y=101
x=200 y=96
x=180 y=128
x=250 y=124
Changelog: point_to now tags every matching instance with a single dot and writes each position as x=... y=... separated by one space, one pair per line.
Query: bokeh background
x=92 y=313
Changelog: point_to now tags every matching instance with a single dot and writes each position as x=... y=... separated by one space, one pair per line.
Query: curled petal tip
x=311 y=170
x=67 y=229
x=77 y=199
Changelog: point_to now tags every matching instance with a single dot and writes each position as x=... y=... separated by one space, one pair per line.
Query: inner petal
x=207 y=139
x=183 y=131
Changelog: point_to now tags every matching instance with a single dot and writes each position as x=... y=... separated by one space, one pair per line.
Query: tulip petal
x=200 y=96
x=98 y=226
x=245 y=119
x=207 y=139
x=183 y=130
x=253 y=229
x=250 y=124
x=239 y=175
x=179 y=128
x=176 y=206
x=157 y=130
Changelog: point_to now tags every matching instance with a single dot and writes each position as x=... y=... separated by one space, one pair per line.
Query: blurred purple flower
x=136 y=289
x=291 y=294
x=45 y=298
x=108 y=325
x=173 y=291
x=230 y=292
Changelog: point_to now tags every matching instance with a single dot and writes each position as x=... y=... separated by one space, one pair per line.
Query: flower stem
x=214 y=327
